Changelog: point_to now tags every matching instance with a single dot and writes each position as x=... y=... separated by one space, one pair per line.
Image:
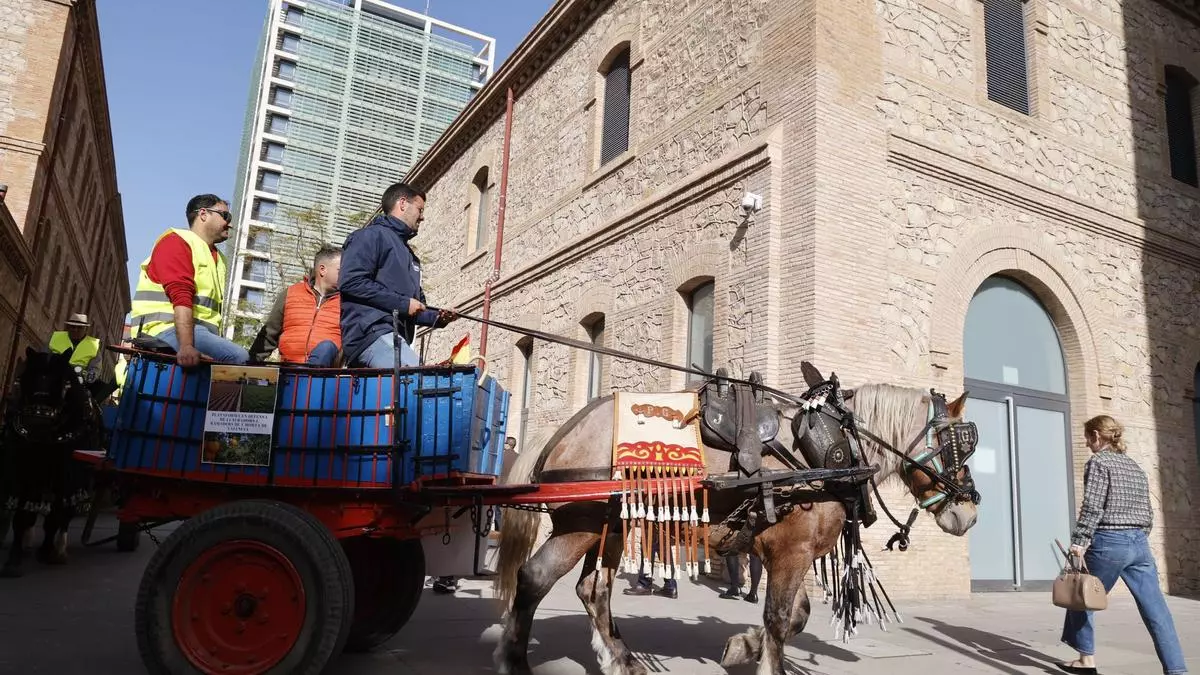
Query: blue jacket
x=379 y=273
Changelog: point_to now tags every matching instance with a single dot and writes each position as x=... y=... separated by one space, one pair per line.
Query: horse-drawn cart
x=314 y=502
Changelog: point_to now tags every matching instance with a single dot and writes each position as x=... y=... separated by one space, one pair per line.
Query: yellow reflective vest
x=119 y=372
x=82 y=354
x=152 y=313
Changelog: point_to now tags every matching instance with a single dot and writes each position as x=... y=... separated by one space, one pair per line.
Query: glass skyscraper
x=346 y=96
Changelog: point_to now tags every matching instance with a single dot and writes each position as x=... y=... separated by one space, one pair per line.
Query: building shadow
x=567 y=638
x=1158 y=54
x=1002 y=653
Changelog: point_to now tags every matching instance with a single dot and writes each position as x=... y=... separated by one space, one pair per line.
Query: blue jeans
x=209 y=344
x=1125 y=554
x=381 y=354
x=323 y=355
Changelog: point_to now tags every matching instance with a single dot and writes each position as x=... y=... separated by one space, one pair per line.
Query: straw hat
x=78 y=320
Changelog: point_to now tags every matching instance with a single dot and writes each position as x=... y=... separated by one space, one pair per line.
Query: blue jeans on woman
x=1125 y=554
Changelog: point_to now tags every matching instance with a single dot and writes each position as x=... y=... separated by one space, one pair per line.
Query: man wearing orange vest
x=305 y=322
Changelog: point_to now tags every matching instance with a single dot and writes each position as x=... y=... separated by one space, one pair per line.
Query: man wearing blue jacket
x=381 y=273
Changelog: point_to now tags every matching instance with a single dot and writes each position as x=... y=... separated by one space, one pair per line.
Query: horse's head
x=926 y=443
x=939 y=477
x=44 y=395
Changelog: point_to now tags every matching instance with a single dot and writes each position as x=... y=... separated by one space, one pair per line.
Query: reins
x=616 y=353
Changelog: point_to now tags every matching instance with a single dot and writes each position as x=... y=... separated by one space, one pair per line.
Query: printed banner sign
x=650 y=431
x=241 y=415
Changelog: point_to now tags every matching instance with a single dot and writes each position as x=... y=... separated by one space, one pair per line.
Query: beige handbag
x=1076 y=588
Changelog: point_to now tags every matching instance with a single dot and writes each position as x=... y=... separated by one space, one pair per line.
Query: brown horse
x=894 y=415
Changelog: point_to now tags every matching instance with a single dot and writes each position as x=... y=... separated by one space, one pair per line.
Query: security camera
x=751 y=203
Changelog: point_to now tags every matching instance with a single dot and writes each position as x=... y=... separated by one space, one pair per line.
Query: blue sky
x=178 y=77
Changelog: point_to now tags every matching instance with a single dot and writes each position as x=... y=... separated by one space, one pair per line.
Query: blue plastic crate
x=331 y=428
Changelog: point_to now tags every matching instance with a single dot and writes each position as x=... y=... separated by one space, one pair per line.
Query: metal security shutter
x=1007 y=72
x=1181 y=128
x=614 y=138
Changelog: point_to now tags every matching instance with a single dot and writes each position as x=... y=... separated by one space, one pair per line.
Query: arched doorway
x=1016 y=375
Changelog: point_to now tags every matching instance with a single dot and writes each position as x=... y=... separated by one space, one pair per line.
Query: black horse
x=50 y=414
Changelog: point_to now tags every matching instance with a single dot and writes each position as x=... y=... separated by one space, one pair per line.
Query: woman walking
x=1111 y=536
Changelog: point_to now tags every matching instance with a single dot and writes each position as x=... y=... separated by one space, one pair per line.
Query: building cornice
x=88 y=26
x=565 y=21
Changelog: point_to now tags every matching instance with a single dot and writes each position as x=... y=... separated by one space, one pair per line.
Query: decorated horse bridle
x=955 y=443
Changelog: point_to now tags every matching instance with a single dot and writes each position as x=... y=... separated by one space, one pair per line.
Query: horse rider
x=381 y=274
x=305 y=321
x=181 y=287
x=75 y=341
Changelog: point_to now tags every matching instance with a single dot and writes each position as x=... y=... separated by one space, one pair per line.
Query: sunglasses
x=224 y=214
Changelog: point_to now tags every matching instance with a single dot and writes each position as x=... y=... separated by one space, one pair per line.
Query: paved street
x=79 y=620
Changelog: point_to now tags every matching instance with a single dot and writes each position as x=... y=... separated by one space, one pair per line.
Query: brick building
x=994 y=195
x=62 y=233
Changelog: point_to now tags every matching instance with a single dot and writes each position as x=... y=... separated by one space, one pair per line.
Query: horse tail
x=519 y=529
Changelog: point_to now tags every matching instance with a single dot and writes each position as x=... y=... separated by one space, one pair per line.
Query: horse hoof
x=738 y=651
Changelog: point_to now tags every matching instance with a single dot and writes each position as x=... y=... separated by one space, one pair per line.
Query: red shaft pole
x=487 y=291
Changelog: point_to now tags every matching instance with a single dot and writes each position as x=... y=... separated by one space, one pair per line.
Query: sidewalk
x=78 y=620
x=1011 y=633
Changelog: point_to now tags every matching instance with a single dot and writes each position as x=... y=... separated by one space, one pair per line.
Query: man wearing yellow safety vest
x=181 y=288
x=75 y=341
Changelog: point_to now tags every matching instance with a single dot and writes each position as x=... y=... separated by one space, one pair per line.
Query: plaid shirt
x=1116 y=496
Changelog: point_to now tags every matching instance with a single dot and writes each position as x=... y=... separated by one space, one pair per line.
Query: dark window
x=701 y=312
x=1007 y=70
x=290 y=43
x=253 y=297
x=293 y=15
x=527 y=373
x=482 y=206
x=286 y=70
x=255 y=270
x=268 y=181
x=264 y=211
x=259 y=240
x=282 y=97
x=273 y=152
x=595 y=330
x=614 y=135
x=277 y=125
x=1181 y=124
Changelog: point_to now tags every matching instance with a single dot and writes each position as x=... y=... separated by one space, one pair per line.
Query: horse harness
x=828 y=436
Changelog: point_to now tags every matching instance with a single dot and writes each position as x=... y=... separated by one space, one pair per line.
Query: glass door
x=1022 y=470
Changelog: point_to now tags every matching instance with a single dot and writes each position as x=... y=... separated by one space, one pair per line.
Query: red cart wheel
x=248 y=588
x=238 y=608
x=389 y=577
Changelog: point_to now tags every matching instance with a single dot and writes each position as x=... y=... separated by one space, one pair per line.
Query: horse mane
x=890 y=412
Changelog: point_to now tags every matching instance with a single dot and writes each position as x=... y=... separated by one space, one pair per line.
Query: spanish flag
x=461 y=354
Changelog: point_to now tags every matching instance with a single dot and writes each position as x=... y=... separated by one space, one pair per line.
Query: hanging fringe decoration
x=856 y=594
x=658 y=459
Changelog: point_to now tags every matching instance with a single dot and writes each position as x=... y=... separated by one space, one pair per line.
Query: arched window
x=480 y=207
x=701 y=313
x=525 y=348
x=594 y=325
x=614 y=134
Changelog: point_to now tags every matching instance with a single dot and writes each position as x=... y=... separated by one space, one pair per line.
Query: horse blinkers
x=953 y=444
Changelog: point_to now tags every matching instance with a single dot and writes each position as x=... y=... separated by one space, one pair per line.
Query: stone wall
x=892 y=188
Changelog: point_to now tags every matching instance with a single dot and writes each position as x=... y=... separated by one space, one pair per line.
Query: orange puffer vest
x=307 y=323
